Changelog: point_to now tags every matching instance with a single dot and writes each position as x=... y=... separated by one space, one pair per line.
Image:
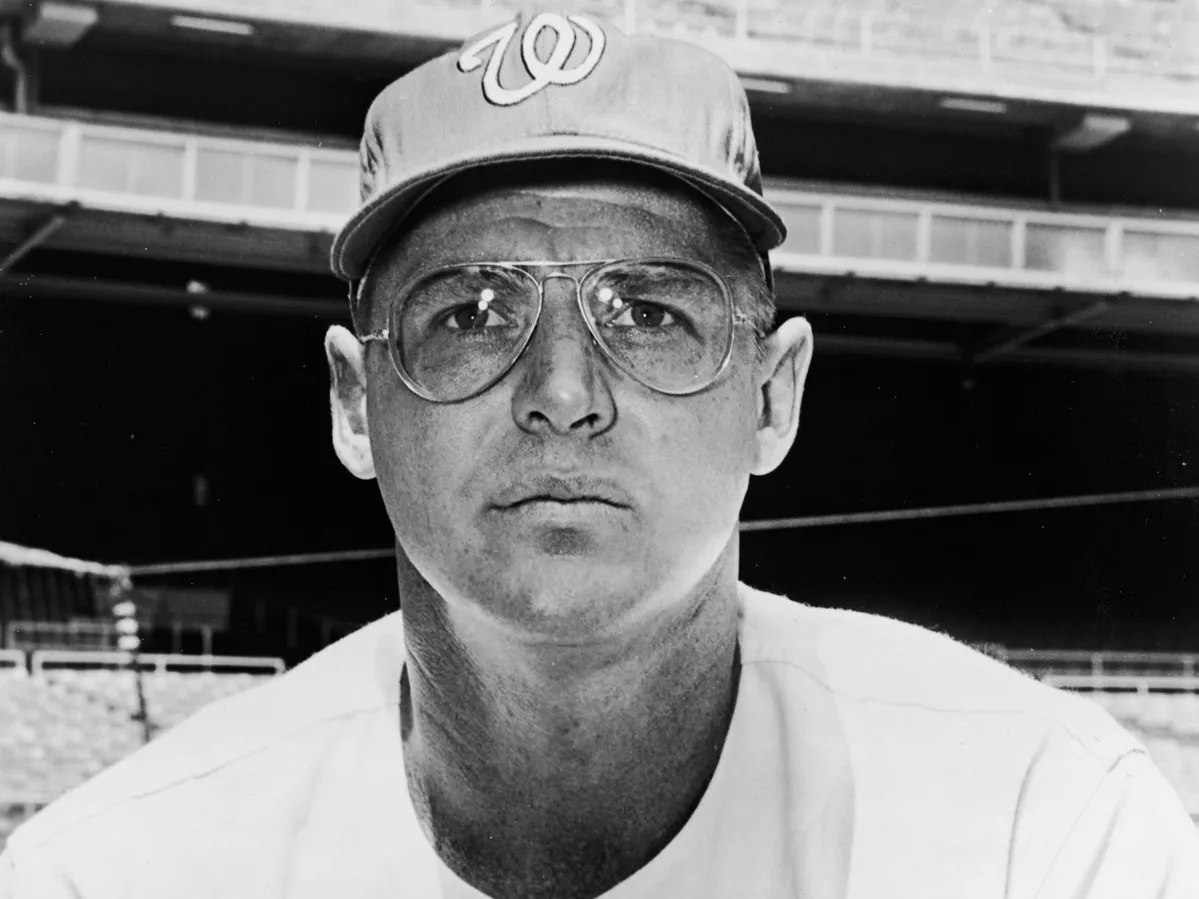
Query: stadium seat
x=171 y=696
x=56 y=739
x=63 y=726
x=1168 y=724
x=1179 y=762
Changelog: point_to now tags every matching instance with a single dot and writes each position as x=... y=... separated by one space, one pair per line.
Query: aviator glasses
x=456 y=330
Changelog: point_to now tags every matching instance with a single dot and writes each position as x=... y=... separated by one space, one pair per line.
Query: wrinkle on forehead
x=615 y=207
x=559 y=222
x=675 y=205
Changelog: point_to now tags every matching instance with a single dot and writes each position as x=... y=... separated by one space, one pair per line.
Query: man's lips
x=566 y=489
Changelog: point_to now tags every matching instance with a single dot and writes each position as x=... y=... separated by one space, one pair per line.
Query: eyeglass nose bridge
x=600 y=350
x=561 y=276
x=578 y=285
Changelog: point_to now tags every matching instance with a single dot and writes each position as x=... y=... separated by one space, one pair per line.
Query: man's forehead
x=618 y=215
x=558 y=202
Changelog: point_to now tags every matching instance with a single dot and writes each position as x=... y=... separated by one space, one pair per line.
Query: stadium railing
x=92 y=634
x=49 y=659
x=1092 y=667
x=978 y=244
x=79 y=634
x=185 y=175
x=1136 y=683
x=118 y=170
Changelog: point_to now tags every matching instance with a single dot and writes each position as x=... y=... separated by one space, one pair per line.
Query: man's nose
x=562 y=388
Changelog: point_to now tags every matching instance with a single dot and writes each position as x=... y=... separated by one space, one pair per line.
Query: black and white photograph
x=607 y=449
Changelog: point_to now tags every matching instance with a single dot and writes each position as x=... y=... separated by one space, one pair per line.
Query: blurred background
x=994 y=229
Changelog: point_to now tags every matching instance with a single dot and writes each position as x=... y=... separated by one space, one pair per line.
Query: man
x=563 y=377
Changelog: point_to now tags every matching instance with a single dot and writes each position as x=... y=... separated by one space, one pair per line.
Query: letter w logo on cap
x=543 y=72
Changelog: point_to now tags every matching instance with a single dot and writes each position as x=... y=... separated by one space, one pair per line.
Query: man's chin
x=588 y=533
x=564 y=594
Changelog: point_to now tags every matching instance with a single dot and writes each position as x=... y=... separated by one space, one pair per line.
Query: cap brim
x=358 y=238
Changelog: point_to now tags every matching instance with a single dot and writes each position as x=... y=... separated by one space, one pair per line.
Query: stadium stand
x=172 y=692
x=1028 y=39
x=1162 y=711
x=58 y=737
x=69 y=715
x=1153 y=694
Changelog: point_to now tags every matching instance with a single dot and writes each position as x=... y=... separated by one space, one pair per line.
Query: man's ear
x=780 y=382
x=347 y=399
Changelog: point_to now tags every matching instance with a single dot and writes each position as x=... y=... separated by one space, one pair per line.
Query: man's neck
x=539 y=766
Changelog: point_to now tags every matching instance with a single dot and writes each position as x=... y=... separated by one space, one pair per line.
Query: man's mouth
x=563 y=490
x=561 y=500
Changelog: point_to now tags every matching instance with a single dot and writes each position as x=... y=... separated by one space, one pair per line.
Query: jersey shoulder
x=871 y=660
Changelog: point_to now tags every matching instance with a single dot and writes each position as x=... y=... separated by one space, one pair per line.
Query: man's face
x=568 y=497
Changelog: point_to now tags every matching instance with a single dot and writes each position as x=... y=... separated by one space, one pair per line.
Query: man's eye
x=640 y=314
x=473 y=317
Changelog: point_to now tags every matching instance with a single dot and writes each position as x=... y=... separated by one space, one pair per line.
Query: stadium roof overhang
x=27 y=223
x=855 y=61
x=921 y=276
x=983 y=324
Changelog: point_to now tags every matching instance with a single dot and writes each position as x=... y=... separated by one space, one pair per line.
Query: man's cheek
x=696 y=467
x=716 y=440
x=402 y=463
x=402 y=436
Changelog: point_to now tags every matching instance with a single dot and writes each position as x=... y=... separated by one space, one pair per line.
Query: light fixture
x=1094 y=130
x=765 y=85
x=973 y=104
x=219 y=26
x=60 y=24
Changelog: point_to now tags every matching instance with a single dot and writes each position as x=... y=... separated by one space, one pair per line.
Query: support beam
x=207 y=565
x=60 y=286
x=1166 y=494
x=1094 y=130
x=1053 y=162
x=39 y=236
x=1169 y=494
x=1007 y=340
x=12 y=59
x=1186 y=364
x=926 y=513
x=886 y=347
x=944 y=351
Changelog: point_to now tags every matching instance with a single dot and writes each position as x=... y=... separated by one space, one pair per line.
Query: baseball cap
x=550 y=85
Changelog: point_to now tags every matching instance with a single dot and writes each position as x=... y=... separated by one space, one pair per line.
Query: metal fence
x=1068 y=666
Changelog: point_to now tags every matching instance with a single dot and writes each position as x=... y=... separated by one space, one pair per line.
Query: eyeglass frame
x=736 y=318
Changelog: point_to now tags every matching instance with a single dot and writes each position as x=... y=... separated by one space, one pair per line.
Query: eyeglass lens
x=667 y=324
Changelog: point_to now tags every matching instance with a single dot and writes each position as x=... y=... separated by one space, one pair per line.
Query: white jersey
x=865 y=758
